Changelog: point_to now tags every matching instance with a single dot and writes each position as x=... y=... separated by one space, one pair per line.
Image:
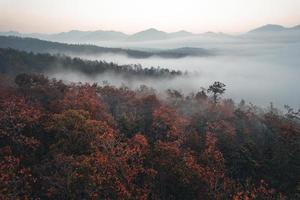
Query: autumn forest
x=149 y=100
x=82 y=141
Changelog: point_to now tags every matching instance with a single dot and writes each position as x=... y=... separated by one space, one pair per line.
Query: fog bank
x=257 y=72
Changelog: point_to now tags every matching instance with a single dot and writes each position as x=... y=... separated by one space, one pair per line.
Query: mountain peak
x=269 y=28
x=149 y=34
x=151 y=29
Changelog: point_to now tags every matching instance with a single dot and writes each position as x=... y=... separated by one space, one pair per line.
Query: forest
x=89 y=141
x=149 y=100
x=43 y=46
x=13 y=62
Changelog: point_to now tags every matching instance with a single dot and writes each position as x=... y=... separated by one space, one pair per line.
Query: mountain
x=41 y=46
x=268 y=28
x=73 y=36
x=274 y=33
x=18 y=34
x=105 y=35
x=10 y=33
x=272 y=28
x=87 y=36
x=296 y=28
x=76 y=36
x=149 y=34
x=181 y=33
x=95 y=37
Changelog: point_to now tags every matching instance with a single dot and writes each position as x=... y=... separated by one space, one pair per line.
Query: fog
x=259 y=72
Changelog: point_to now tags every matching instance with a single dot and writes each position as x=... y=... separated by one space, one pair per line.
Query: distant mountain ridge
x=151 y=34
x=88 y=36
x=154 y=34
x=76 y=36
x=273 y=28
x=275 y=33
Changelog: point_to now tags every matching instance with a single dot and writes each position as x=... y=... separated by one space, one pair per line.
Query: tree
x=217 y=89
x=82 y=141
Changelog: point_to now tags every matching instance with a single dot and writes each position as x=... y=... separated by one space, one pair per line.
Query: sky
x=129 y=16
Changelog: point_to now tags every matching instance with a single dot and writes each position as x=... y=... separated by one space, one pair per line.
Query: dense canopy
x=84 y=141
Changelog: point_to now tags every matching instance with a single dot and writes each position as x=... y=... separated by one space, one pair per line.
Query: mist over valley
x=149 y=100
x=254 y=68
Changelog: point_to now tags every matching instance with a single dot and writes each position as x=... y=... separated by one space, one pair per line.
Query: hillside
x=88 y=36
x=41 y=46
x=273 y=28
x=76 y=36
x=82 y=141
x=268 y=28
x=149 y=34
x=13 y=62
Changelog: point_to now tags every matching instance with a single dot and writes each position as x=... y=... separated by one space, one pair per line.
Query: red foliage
x=84 y=97
x=114 y=143
x=167 y=124
x=15 y=180
x=15 y=117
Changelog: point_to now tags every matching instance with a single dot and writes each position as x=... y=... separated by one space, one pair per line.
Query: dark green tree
x=217 y=89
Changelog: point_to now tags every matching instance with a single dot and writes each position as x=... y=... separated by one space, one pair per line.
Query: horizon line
x=124 y=32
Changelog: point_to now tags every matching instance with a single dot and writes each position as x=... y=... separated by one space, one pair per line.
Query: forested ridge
x=43 y=46
x=13 y=62
x=81 y=141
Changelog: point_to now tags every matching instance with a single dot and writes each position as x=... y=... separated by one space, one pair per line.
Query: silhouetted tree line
x=84 y=141
x=13 y=62
x=42 y=46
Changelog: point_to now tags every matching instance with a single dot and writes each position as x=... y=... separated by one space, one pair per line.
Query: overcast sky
x=231 y=16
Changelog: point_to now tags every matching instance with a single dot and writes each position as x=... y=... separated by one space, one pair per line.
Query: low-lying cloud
x=257 y=72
